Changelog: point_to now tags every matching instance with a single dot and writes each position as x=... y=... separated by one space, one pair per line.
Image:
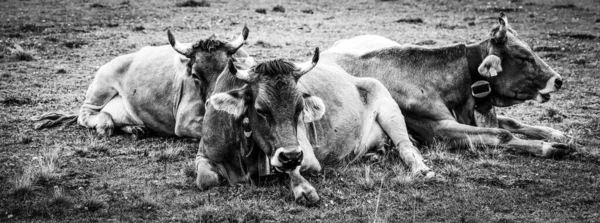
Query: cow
x=439 y=89
x=159 y=89
x=295 y=117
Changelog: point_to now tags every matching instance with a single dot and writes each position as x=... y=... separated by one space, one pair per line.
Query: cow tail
x=49 y=120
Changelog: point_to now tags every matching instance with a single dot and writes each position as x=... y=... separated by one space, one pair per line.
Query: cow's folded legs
x=463 y=135
x=206 y=176
x=302 y=188
x=101 y=121
x=537 y=132
x=97 y=96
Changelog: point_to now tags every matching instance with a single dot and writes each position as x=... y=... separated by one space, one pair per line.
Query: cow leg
x=464 y=135
x=302 y=188
x=537 y=132
x=123 y=118
x=392 y=122
x=90 y=115
x=206 y=175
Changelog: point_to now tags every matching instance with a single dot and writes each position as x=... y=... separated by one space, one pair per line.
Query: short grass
x=69 y=174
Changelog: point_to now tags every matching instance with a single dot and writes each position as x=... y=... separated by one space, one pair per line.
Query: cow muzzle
x=552 y=85
x=287 y=158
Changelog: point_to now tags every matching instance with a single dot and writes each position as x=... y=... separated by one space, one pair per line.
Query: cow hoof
x=558 y=136
x=372 y=157
x=105 y=131
x=206 y=179
x=425 y=174
x=135 y=131
x=556 y=150
x=306 y=193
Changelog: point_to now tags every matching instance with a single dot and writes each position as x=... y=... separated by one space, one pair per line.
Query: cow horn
x=182 y=48
x=239 y=42
x=305 y=67
x=245 y=75
x=500 y=34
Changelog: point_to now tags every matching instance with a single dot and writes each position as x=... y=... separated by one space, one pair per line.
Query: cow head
x=207 y=58
x=272 y=105
x=514 y=71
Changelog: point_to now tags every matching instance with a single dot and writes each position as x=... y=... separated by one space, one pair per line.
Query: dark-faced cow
x=162 y=89
x=432 y=86
x=296 y=121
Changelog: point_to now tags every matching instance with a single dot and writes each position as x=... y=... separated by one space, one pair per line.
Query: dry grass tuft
x=366 y=183
x=170 y=154
x=59 y=198
x=487 y=163
x=24 y=183
x=93 y=204
x=21 y=54
x=451 y=170
x=47 y=166
x=404 y=180
x=189 y=170
x=418 y=195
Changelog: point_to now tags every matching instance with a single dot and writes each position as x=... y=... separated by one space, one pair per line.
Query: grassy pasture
x=49 y=51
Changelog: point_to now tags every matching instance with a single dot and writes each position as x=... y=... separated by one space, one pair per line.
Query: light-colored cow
x=432 y=86
x=162 y=89
x=299 y=120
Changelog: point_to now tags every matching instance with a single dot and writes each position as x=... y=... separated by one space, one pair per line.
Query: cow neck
x=475 y=54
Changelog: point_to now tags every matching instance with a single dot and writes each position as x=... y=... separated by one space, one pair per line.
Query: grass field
x=49 y=51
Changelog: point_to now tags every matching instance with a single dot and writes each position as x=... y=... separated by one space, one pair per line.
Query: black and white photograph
x=299 y=111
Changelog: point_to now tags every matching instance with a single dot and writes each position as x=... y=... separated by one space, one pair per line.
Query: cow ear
x=234 y=102
x=490 y=66
x=314 y=108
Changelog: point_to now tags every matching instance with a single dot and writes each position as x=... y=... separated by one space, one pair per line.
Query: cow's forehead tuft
x=208 y=44
x=274 y=68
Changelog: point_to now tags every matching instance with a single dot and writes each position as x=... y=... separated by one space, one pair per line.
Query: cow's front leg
x=392 y=121
x=537 y=132
x=302 y=188
x=390 y=118
x=464 y=135
x=206 y=174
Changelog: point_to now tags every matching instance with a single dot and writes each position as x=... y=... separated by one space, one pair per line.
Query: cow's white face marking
x=549 y=86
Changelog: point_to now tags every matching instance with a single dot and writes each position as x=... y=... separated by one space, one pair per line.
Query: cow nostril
x=558 y=83
x=283 y=158
x=291 y=158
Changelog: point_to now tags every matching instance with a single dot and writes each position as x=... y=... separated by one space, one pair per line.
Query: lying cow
x=277 y=110
x=433 y=86
x=161 y=89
